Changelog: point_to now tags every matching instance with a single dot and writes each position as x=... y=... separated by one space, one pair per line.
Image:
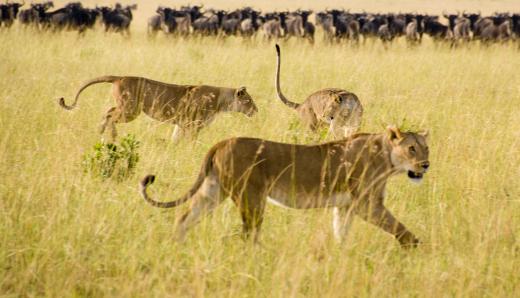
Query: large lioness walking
x=348 y=175
x=339 y=109
x=188 y=107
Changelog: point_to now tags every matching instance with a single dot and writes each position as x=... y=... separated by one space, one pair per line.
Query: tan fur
x=349 y=175
x=187 y=106
x=339 y=109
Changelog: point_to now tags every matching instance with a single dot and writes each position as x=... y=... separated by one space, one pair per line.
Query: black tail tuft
x=147 y=180
x=61 y=101
x=277 y=49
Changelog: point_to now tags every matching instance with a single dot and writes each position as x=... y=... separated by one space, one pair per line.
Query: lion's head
x=409 y=152
x=243 y=102
x=343 y=112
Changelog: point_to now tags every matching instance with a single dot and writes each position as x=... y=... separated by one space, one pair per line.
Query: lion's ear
x=393 y=133
x=240 y=92
x=424 y=134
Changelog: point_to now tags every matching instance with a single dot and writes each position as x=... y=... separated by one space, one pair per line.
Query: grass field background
x=64 y=233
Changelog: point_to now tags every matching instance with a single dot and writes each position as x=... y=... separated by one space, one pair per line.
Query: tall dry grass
x=64 y=233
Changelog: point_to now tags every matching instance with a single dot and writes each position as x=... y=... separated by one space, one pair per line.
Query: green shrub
x=108 y=160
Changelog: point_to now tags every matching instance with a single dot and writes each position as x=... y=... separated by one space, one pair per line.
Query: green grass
x=65 y=233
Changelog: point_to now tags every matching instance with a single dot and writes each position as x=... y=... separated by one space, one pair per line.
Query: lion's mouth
x=415 y=175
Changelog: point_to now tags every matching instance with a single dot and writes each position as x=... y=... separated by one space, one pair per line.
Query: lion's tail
x=149 y=179
x=284 y=99
x=105 y=79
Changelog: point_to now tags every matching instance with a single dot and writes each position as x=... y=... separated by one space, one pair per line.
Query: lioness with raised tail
x=348 y=175
x=339 y=109
x=189 y=107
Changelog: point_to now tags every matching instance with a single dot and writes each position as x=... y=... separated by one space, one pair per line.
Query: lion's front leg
x=341 y=222
x=177 y=134
x=378 y=215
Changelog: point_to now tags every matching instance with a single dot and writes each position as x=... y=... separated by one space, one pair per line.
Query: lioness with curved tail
x=348 y=175
x=188 y=107
x=339 y=109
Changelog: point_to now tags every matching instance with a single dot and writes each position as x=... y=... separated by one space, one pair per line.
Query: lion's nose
x=425 y=165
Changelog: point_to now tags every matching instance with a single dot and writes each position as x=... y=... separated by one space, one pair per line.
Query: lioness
x=188 y=107
x=338 y=108
x=348 y=175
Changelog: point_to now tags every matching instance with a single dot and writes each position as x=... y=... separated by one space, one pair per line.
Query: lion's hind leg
x=204 y=201
x=108 y=120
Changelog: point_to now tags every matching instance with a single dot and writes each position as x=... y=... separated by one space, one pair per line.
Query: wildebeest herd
x=72 y=16
x=337 y=24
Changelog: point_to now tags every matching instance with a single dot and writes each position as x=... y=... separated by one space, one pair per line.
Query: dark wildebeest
x=515 y=26
x=436 y=29
x=371 y=25
x=8 y=13
x=414 y=28
x=35 y=14
x=72 y=16
x=339 y=23
x=392 y=28
x=397 y=25
x=345 y=25
x=250 y=23
x=118 y=19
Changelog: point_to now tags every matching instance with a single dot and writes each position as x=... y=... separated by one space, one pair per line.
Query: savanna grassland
x=66 y=233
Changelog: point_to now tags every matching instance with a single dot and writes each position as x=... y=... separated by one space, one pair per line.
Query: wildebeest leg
x=341 y=222
x=378 y=215
x=205 y=200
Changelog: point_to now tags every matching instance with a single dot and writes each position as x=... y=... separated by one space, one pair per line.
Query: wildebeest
x=436 y=29
x=324 y=20
x=209 y=23
x=154 y=23
x=8 y=13
x=35 y=14
x=231 y=22
x=275 y=26
x=515 y=26
x=175 y=21
x=72 y=16
x=250 y=23
x=495 y=28
x=298 y=25
x=414 y=28
x=371 y=25
x=117 y=19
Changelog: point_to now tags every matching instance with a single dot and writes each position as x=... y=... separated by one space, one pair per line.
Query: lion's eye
x=411 y=149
